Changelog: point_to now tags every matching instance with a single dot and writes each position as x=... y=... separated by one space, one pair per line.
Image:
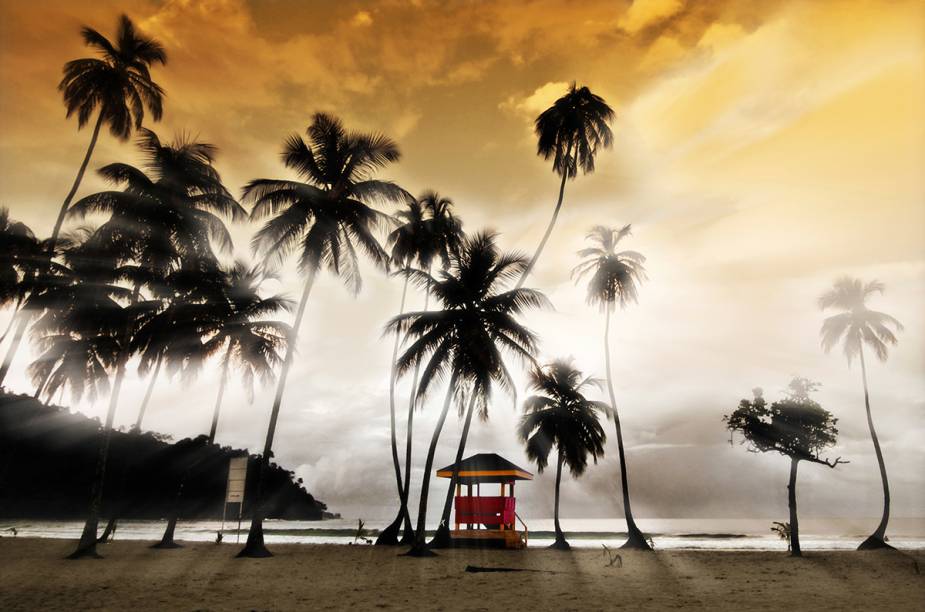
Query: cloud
x=535 y=103
x=645 y=13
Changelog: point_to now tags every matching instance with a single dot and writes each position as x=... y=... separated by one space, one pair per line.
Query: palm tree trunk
x=41 y=386
x=255 y=546
x=86 y=547
x=878 y=538
x=792 y=503
x=419 y=547
x=552 y=224
x=150 y=390
x=443 y=539
x=21 y=325
x=80 y=175
x=560 y=542
x=221 y=394
x=9 y=325
x=408 y=535
x=389 y=535
x=635 y=537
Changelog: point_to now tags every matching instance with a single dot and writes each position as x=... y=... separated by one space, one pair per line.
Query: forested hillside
x=47 y=457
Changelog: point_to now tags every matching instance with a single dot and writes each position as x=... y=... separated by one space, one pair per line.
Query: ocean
x=669 y=534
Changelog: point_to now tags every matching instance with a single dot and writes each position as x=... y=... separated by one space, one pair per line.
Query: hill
x=48 y=454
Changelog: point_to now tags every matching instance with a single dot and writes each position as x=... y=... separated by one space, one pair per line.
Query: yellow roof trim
x=477 y=473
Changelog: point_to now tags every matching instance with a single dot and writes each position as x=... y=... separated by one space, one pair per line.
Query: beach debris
x=615 y=559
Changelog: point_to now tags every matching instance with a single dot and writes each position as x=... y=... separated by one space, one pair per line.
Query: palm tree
x=428 y=231
x=466 y=338
x=855 y=327
x=242 y=334
x=327 y=214
x=166 y=217
x=21 y=256
x=570 y=132
x=78 y=332
x=117 y=86
x=86 y=331
x=560 y=416
x=615 y=276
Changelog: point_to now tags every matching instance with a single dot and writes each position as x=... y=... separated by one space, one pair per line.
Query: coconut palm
x=327 y=215
x=855 y=327
x=21 y=256
x=466 y=338
x=241 y=333
x=84 y=335
x=560 y=416
x=83 y=315
x=428 y=231
x=615 y=279
x=117 y=86
x=166 y=216
x=570 y=133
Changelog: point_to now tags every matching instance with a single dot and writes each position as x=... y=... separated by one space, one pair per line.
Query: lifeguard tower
x=487 y=521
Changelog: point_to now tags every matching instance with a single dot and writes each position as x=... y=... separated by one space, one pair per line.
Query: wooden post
x=455 y=513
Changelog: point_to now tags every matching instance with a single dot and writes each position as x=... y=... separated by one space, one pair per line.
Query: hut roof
x=486 y=467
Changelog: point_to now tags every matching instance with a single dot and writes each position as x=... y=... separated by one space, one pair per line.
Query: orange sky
x=761 y=149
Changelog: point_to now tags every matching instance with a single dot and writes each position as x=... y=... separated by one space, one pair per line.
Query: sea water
x=671 y=534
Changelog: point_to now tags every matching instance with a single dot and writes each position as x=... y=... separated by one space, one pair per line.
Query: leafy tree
x=465 y=339
x=428 y=230
x=326 y=216
x=615 y=279
x=570 y=133
x=796 y=426
x=855 y=327
x=560 y=416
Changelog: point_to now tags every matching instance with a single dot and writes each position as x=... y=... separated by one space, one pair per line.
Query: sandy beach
x=34 y=575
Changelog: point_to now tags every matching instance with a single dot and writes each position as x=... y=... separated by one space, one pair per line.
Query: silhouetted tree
x=796 y=426
x=615 y=278
x=118 y=87
x=560 y=416
x=327 y=215
x=428 y=231
x=166 y=217
x=855 y=327
x=466 y=338
x=21 y=257
x=570 y=132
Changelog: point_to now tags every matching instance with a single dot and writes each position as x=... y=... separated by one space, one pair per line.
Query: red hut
x=487 y=520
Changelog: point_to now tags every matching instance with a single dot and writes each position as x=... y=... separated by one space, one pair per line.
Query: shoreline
x=35 y=575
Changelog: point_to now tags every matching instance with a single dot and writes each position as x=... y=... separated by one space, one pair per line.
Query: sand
x=202 y=576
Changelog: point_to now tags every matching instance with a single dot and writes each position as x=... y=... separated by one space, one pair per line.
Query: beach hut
x=487 y=520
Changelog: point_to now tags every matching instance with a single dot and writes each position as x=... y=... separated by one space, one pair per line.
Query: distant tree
x=615 y=279
x=570 y=132
x=428 y=230
x=465 y=339
x=560 y=416
x=796 y=426
x=326 y=215
x=855 y=327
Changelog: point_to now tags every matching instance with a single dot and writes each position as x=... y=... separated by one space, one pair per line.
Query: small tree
x=796 y=426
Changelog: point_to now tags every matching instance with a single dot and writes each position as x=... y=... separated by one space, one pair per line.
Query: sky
x=761 y=150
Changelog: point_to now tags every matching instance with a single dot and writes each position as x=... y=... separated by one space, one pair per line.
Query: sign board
x=237 y=476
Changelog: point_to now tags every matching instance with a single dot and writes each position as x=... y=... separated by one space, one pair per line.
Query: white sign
x=237 y=476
